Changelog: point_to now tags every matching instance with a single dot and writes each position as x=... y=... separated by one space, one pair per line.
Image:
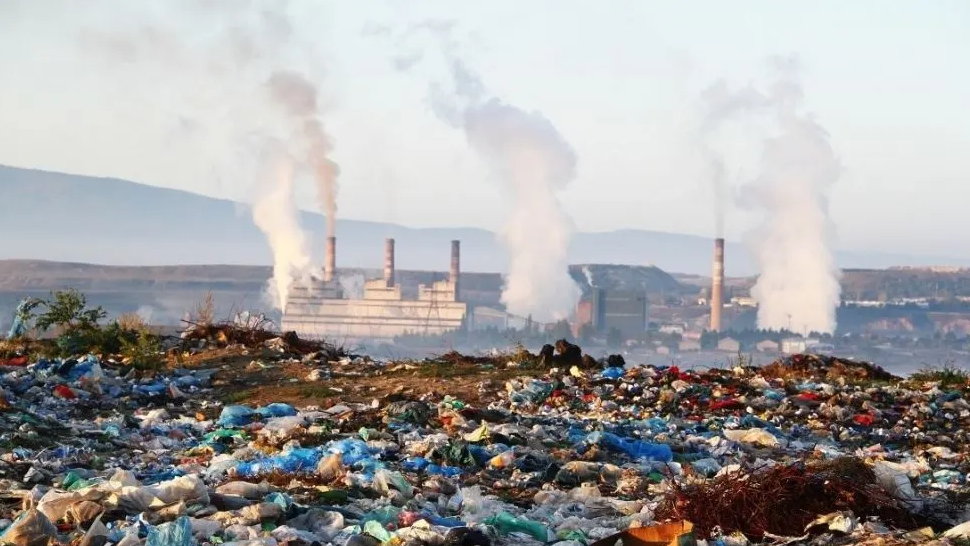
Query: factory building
x=624 y=310
x=319 y=310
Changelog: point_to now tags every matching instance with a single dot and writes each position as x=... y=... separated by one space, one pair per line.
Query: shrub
x=68 y=309
x=144 y=350
x=948 y=374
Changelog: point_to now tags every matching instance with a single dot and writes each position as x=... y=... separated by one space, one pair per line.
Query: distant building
x=744 y=301
x=689 y=346
x=728 y=344
x=671 y=329
x=692 y=336
x=822 y=348
x=625 y=310
x=767 y=346
x=663 y=350
x=797 y=345
x=488 y=317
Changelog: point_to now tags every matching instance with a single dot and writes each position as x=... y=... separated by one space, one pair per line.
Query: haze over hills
x=63 y=217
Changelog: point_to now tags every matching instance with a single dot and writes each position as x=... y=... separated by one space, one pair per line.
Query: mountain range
x=56 y=216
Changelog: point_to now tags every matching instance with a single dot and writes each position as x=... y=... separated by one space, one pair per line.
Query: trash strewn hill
x=232 y=434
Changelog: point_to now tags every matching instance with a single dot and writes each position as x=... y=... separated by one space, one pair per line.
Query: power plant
x=318 y=309
x=717 y=285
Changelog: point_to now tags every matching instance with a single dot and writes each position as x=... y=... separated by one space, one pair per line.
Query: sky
x=888 y=79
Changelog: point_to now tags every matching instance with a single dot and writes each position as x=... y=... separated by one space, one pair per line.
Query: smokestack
x=389 y=262
x=330 y=260
x=455 y=266
x=717 y=285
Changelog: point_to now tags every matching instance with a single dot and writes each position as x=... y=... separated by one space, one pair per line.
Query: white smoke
x=275 y=213
x=352 y=286
x=534 y=163
x=798 y=286
x=239 y=81
x=298 y=97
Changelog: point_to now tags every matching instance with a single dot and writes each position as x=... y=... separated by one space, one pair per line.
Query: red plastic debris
x=65 y=392
x=864 y=420
x=15 y=361
x=725 y=404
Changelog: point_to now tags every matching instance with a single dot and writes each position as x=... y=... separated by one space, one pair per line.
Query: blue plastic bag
x=447 y=471
x=293 y=461
x=636 y=449
x=613 y=373
x=352 y=450
x=415 y=464
x=177 y=533
x=236 y=416
x=277 y=410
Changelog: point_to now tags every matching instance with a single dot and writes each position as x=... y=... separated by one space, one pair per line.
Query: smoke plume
x=298 y=97
x=534 y=163
x=275 y=214
x=798 y=286
x=247 y=79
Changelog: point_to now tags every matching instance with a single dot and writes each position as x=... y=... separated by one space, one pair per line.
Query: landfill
x=266 y=442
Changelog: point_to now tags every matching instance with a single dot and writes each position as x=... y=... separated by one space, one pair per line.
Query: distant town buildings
x=767 y=346
x=689 y=345
x=728 y=344
x=626 y=311
x=744 y=301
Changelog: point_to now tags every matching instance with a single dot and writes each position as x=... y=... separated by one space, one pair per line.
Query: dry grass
x=782 y=500
x=131 y=322
x=205 y=310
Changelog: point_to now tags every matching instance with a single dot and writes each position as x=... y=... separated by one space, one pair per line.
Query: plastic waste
x=32 y=528
x=636 y=449
x=177 y=533
x=277 y=410
x=506 y=523
x=236 y=416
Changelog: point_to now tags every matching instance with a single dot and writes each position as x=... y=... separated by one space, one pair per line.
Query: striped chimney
x=389 y=262
x=717 y=285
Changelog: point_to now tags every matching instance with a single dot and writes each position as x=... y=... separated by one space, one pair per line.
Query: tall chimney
x=455 y=266
x=717 y=285
x=389 y=262
x=330 y=260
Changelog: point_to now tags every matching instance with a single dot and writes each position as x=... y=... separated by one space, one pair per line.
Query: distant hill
x=63 y=217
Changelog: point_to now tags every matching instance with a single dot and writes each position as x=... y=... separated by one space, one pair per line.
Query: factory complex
x=322 y=308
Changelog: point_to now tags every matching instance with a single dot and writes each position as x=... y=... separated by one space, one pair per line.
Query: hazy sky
x=889 y=80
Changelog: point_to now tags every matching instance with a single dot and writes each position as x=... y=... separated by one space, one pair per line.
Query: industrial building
x=320 y=310
x=625 y=310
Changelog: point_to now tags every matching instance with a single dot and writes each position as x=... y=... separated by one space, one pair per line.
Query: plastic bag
x=188 y=489
x=277 y=410
x=613 y=373
x=177 y=533
x=244 y=489
x=506 y=523
x=636 y=449
x=754 y=436
x=236 y=416
x=32 y=528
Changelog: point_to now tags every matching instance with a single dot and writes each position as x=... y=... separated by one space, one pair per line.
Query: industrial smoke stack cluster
x=717 y=285
x=389 y=262
x=330 y=259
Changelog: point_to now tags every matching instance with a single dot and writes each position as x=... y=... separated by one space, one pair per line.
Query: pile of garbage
x=573 y=453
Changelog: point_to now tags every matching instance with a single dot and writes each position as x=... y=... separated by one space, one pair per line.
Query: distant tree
x=586 y=332
x=709 y=340
x=614 y=337
x=561 y=330
x=69 y=309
